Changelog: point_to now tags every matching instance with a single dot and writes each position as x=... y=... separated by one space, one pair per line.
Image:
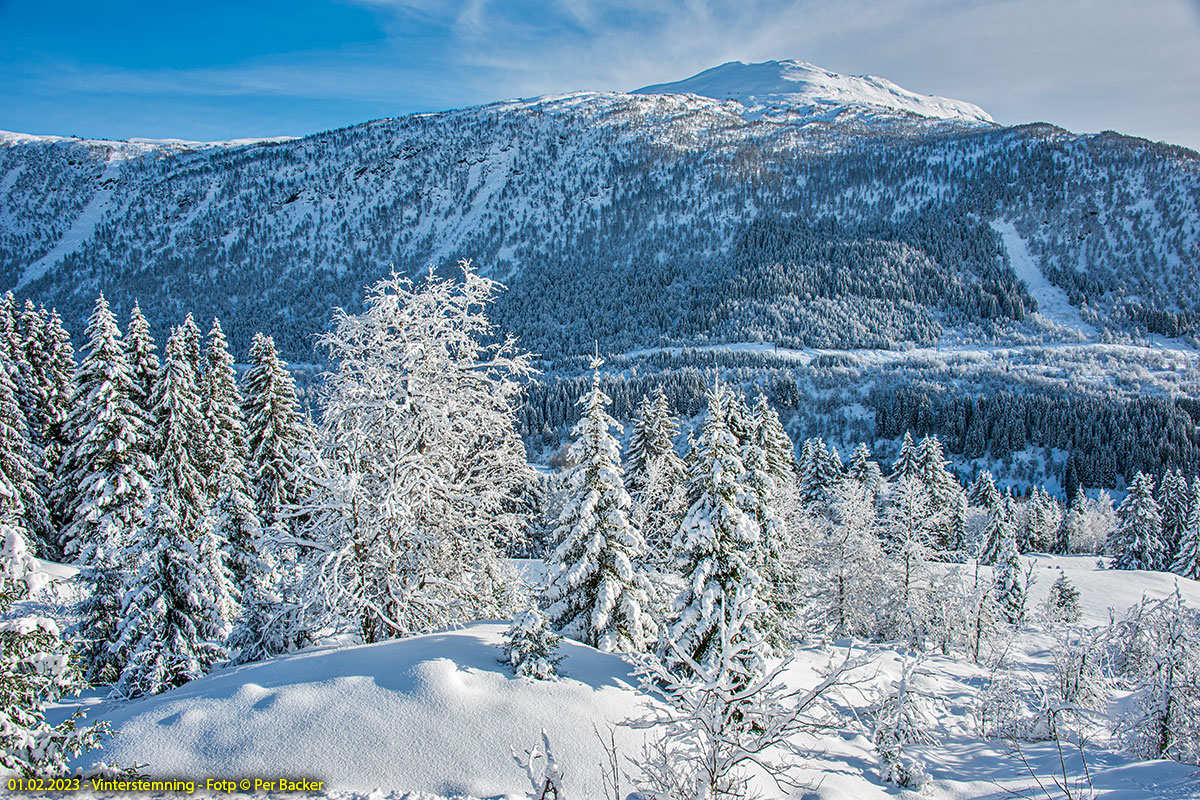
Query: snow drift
x=435 y=713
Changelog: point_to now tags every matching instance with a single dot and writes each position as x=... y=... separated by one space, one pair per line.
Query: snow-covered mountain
x=895 y=226
x=799 y=85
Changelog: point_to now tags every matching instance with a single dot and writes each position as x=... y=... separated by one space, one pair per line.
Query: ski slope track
x=1052 y=301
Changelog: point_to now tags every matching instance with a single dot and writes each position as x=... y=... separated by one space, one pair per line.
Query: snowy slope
x=438 y=714
x=1052 y=301
x=801 y=84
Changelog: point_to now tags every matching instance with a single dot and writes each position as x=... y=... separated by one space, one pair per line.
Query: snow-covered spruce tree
x=770 y=435
x=1071 y=531
x=170 y=621
x=716 y=545
x=275 y=431
x=60 y=385
x=1136 y=542
x=1164 y=720
x=419 y=461
x=1062 y=604
x=104 y=484
x=908 y=461
x=237 y=524
x=596 y=593
x=767 y=497
x=20 y=501
x=948 y=535
x=820 y=469
x=531 y=647
x=866 y=473
x=982 y=492
x=655 y=476
x=37 y=668
x=192 y=346
x=902 y=718
x=178 y=438
x=1187 y=559
x=1174 y=499
x=738 y=417
x=1008 y=586
x=651 y=441
x=265 y=627
x=1044 y=520
x=143 y=363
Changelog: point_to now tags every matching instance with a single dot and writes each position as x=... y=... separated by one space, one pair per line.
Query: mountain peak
x=804 y=85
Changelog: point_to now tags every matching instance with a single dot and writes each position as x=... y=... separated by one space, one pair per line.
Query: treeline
x=1106 y=439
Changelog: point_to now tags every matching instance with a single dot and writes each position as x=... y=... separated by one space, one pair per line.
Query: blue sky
x=221 y=70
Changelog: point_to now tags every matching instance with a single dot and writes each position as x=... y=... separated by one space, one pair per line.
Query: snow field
x=436 y=715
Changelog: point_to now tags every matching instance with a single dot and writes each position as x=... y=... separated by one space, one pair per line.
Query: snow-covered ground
x=438 y=716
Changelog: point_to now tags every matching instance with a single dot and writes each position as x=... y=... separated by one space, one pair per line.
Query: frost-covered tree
x=1136 y=542
x=902 y=718
x=103 y=484
x=865 y=473
x=531 y=647
x=143 y=363
x=908 y=463
x=820 y=469
x=982 y=492
x=716 y=545
x=655 y=476
x=724 y=716
x=1062 y=603
x=419 y=463
x=596 y=593
x=910 y=529
x=37 y=669
x=1008 y=586
x=1187 y=559
x=20 y=501
x=850 y=565
x=1159 y=648
x=275 y=432
x=170 y=621
x=1174 y=500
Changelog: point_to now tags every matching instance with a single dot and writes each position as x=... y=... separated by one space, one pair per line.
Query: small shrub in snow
x=1158 y=657
x=902 y=718
x=531 y=647
x=544 y=773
